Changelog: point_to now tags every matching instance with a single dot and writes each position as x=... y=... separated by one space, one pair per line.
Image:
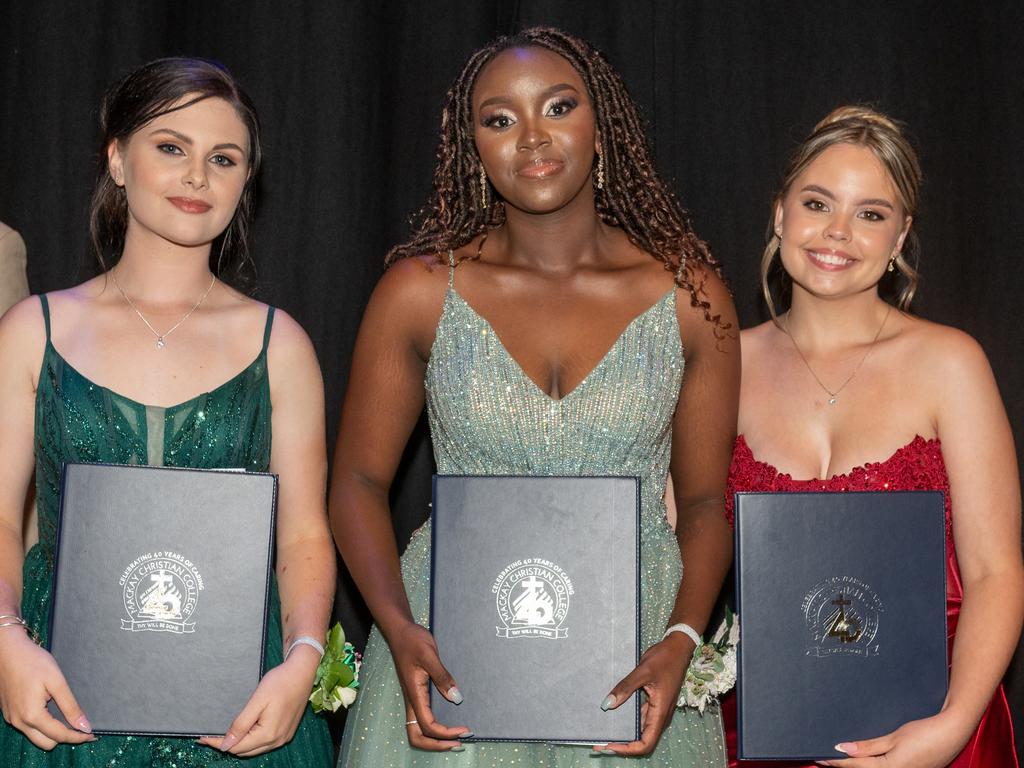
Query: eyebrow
x=186 y=140
x=557 y=88
x=868 y=201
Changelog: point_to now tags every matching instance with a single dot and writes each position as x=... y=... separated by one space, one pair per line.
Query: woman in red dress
x=846 y=391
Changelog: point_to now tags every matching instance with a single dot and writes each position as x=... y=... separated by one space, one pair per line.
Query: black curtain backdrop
x=350 y=94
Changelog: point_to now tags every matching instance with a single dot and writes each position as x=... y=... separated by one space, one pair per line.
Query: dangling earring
x=483 y=187
x=892 y=262
x=600 y=169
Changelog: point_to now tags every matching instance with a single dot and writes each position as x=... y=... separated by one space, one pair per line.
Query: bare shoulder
x=941 y=350
x=287 y=335
x=24 y=320
x=708 y=311
x=407 y=302
x=420 y=281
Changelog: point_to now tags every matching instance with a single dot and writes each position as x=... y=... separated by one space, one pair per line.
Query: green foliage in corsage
x=712 y=669
x=337 y=676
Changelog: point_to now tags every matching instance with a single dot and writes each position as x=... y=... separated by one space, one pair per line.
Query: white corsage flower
x=712 y=669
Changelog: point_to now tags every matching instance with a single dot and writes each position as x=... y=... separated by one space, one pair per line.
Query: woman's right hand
x=417 y=663
x=29 y=678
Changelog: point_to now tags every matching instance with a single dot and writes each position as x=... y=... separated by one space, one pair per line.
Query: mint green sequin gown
x=488 y=418
x=78 y=420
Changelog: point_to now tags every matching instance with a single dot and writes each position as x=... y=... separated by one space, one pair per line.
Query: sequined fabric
x=487 y=417
x=78 y=420
x=916 y=466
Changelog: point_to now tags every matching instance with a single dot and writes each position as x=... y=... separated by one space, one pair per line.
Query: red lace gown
x=917 y=466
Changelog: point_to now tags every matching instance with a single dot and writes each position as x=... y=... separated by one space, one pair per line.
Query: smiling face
x=535 y=129
x=840 y=223
x=183 y=172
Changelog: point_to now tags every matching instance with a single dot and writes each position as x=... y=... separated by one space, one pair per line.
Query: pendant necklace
x=160 y=343
x=833 y=397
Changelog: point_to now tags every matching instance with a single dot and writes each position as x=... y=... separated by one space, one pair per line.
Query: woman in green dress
x=159 y=361
x=541 y=313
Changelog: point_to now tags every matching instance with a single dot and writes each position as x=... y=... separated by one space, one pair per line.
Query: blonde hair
x=863 y=127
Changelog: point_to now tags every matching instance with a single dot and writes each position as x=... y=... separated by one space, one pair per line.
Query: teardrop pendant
x=160 y=342
x=832 y=400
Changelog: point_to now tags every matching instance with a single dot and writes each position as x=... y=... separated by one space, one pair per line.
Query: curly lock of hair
x=634 y=197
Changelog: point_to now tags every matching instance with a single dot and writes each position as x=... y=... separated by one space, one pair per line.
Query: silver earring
x=483 y=187
x=600 y=170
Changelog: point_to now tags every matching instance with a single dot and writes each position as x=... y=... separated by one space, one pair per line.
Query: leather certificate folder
x=160 y=597
x=842 y=607
x=534 y=604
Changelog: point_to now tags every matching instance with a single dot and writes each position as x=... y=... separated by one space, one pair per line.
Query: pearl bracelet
x=686 y=629
x=304 y=640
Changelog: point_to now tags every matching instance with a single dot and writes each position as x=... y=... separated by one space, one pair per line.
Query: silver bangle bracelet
x=686 y=629
x=305 y=640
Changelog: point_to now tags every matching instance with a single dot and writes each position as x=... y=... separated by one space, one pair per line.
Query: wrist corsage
x=712 y=669
x=337 y=675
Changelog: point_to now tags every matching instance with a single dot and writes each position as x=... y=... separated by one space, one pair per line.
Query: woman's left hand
x=660 y=674
x=932 y=742
x=272 y=714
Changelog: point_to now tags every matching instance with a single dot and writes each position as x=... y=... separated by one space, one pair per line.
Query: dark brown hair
x=863 y=127
x=148 y=92
x=634 y=198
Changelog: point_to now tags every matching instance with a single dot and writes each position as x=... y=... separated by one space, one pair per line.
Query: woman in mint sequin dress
x=109 y=371
x=541 y=313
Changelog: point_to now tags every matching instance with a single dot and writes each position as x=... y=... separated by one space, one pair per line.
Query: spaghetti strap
x=451 y=268
x=46 y=314
x=266 y=330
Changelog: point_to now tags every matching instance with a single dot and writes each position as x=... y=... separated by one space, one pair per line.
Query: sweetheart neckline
x=917 y=440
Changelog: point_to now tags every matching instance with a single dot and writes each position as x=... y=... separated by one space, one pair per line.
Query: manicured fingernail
x=454 y=695
x=609 y=700
x=228 y=741
x=467 y=735
x=83 y=725
x=843 y=747
x=608 y=752
x=459 y=748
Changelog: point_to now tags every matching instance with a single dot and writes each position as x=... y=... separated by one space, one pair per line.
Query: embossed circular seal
x=160 y=592
x=842 y=615
x=532 y=599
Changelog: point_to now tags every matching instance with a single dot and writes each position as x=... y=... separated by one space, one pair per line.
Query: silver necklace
x=833 y=397
x=160 y=343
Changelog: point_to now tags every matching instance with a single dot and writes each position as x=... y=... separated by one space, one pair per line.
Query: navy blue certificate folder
x=842 y=606
x=160 y=594
x=534 y=604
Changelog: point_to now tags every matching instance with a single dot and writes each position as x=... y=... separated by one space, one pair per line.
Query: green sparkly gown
x=488 y=418
x=78 y=420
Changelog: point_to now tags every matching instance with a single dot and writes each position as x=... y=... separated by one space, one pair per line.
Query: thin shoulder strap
x=266 y=330
x=46 y=314
x=451 y=268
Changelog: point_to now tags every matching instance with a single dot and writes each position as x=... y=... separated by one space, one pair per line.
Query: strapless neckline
x=915 y=445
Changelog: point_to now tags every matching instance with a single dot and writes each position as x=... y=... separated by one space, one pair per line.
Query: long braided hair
x=634 y=198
